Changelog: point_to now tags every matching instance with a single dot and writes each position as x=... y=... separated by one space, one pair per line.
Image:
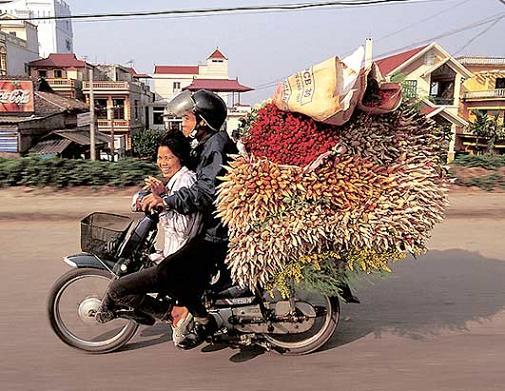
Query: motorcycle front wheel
x=324 y=326
x=72 y=305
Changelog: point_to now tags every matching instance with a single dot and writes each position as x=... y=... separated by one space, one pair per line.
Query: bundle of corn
x=376 y=193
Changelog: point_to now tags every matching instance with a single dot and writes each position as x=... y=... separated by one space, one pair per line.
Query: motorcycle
x=115 y=245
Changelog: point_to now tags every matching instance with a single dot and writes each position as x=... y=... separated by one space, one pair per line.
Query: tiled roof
x=135 y=74
x=219 y=85
x=47 y=103
x=217 y=54
x=388 y=64
x=81 y=136
x=58 y=140
x=176 y=69
x=50 y=146
x=426 y=110
x=60 y=60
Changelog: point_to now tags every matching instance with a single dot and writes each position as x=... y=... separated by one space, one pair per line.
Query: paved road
x=437 y=324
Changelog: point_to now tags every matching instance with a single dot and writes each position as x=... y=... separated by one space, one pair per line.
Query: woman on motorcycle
x=173 y=154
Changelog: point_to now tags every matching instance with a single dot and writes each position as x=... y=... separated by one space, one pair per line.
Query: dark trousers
x=183 y=276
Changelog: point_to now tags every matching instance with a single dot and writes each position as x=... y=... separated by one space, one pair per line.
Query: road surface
x=438 y=323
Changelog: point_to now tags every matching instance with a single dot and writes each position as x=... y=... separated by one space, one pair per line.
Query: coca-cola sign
x=16 y=96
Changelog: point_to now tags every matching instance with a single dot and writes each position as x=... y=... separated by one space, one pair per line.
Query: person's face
x=188 y=123
x=167 y=162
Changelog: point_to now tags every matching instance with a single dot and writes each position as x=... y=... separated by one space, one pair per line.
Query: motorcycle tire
x=126 y=333
x=315 y=342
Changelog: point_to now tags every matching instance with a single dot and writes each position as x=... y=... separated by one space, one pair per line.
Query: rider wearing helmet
x=186 y=273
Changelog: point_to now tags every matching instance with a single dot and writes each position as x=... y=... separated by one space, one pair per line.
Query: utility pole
x=111 y=115
x=92 y=146
x=368 y=53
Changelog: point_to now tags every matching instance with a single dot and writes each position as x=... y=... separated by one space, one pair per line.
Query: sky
x=265 y=48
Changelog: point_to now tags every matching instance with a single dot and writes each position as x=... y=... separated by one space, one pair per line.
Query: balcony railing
x=442 y=101
x=109 y=85
x=62 y=82
x=118 y=123
x=496 y=93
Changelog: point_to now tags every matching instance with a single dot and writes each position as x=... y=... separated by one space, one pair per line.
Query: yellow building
x=433 y=75
x=485 y=92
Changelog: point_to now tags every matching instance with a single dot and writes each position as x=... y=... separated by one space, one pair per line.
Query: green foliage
x=487 y=129
x=326 y=277
x=145 y=143
x=68 y=172
x=487 y=161
x=245 y=123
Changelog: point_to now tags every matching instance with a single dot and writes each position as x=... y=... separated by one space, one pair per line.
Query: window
x=119 y=111
x=101 y=108
x=500 y=82
x=158 y=115
x=410 y=88
x=136 y=109
x=177 y=85
x=58 y=73
x=3 y=61
x=434 y=89
x=42 y=73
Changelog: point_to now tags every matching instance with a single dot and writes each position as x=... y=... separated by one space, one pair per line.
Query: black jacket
x=210 y=156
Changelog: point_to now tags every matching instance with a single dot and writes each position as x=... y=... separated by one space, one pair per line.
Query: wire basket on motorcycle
x=103 y=233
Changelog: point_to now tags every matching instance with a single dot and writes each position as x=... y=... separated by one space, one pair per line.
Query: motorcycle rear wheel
x=322 y=330
x=69 y=315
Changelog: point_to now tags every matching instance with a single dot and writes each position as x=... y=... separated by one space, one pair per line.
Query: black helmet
x=207 y=105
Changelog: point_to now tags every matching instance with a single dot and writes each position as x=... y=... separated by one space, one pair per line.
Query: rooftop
x=478 y=60
x=390 y=63
x=176 y=69
x=137 y=75
x=60 y=60
x=218 y=85
x=218 y=55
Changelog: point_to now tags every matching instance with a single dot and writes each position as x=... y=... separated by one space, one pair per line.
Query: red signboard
x=16 y=96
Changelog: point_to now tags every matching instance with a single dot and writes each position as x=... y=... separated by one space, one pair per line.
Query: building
x=169 y=80
x=484 y=92
x=122 y=98
x=63 y=71
x=33 y=121
x=431 y=74
x=18 y=45
x=122 y=102
x=55 y=36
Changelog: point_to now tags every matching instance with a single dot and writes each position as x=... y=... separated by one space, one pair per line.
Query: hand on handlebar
x=152 y=202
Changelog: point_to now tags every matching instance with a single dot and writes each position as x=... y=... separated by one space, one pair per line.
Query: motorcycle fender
x=82 y=260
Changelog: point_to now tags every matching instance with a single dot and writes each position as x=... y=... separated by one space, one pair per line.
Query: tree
x=486 y=128
x=145 y=143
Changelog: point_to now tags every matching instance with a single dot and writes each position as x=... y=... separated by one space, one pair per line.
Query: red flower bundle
x=288 y=138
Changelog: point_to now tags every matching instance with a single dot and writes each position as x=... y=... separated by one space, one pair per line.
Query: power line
x=447 y=34
x=478 y=35
x=479 y=23
x=428 y=18
x=220 y=10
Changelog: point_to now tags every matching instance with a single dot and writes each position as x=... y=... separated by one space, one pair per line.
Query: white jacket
x=178 y=228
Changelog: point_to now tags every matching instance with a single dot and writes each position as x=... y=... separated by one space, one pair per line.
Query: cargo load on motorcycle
x=338 y=178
